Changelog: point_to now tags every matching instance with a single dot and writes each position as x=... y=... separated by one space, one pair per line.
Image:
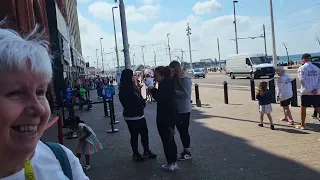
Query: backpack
x=62 y=157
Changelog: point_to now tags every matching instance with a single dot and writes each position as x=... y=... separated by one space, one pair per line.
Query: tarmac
x=226 y=143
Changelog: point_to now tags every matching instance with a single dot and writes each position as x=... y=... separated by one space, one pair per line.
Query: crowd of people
x=309 y=76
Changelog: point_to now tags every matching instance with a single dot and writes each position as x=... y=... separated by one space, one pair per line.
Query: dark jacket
x=165 y=97
x=265 y=98
x=132 y=102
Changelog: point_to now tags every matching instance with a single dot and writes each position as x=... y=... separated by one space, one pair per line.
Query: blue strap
x=62 y=157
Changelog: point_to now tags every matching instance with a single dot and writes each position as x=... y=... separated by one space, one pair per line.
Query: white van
x=249 y=65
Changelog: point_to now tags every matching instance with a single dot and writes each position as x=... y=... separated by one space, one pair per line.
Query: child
x=284 y=94
x=264 y=98
x=88 y=142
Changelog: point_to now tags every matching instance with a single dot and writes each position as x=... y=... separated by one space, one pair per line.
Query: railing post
x=253 y=90
x=225 y=89
x=294 y=100
x=198 y=101
x=112 y=118
x=272 y=89
x=60 y=133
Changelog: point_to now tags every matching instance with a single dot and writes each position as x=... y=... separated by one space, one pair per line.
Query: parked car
x=197 y=73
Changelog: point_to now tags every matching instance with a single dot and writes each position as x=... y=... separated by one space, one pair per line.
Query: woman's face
x=24 y=112
x=157 y=76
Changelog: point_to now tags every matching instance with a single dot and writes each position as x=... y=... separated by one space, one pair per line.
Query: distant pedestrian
x=88 y=143
x=183 y=87
x=284 y=93
x=309 y=76
x=133 y=113
x=264 y=97
x=166 y=115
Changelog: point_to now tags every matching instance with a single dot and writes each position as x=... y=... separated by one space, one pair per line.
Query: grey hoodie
x=183 y=97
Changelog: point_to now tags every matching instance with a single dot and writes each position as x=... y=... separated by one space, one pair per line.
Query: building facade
x=71 y=16
x=67 y=62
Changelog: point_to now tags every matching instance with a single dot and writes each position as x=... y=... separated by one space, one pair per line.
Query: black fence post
x=294 y=100
x=253 y=90
x=196 y=90
x=272 y=89
x=112 y=118
x=105 y=107
x=113 y=113
x=225 y=88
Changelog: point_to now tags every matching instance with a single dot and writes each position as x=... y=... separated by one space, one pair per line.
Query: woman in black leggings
x=183 y=86
x=166 y=115
x=133 y=113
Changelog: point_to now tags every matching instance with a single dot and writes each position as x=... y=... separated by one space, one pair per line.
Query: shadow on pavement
x=216 y=155
x=294 y=131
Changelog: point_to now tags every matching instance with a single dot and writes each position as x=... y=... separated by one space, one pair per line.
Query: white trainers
x=170 y=167
x=86 y=167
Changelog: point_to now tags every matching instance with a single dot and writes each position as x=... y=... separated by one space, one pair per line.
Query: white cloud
x=203 y=39
x=208 y=7
x=102 y=10
x=83 y=1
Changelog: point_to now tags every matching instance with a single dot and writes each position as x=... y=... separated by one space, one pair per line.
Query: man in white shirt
x=284 y=93
x=309 y=75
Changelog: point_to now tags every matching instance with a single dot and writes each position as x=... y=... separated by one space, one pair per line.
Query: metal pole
x=169 y=47
x=97 y=57
x=155 y=59
x=235 y=25
x=188 y=34
x=317 y=39
x=265 y=40
x=144 y=63
x=275 y=57
x=101 y=54
x=285 y=46
x=115 y=39
x=127 y=61
x=181 y=56
x=219 y=51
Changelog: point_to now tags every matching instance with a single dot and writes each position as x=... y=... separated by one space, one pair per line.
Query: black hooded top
x=131 y=99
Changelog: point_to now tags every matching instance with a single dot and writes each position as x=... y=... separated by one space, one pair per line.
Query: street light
x=101 y=54
x=275 y=57
x=188 y=34
x=235 y=25
x=115 y=38
x=169 y=46
x=97 y=57
x=126 y=52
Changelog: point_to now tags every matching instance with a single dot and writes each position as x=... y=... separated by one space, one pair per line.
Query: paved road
x=226 y=144
x=216 y=80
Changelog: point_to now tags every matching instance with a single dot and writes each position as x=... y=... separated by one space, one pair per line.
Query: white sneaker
x=176 y=167
x=86 y=167
x=169 y=167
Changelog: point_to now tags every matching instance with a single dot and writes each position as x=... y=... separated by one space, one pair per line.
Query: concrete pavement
x=226 y=143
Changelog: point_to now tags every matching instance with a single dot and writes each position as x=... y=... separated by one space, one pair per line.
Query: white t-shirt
x=284 y=87
x=309 y=76
x=47 y=167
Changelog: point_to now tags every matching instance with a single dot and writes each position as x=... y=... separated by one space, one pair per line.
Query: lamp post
x=97 y=58
x=235 y=25
x=126 y=52
x=115 y=38
x=169 y=46
x=101 y=54
x=188 y=34
x=275 y=57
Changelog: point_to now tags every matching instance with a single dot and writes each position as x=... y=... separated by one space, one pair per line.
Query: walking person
x=183 y=87
x=309 y=76
x=133 y=113
x=284 y=94
x=166 y=115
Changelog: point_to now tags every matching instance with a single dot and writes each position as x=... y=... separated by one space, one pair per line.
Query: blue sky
x=296 y=23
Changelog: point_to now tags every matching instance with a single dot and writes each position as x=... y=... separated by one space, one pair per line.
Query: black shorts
x=310 y=101
x=285 y=102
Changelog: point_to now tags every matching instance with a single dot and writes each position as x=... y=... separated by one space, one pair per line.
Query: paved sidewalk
x=226 y=143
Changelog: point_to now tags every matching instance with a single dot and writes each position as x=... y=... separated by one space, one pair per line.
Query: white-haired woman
x=26 y=71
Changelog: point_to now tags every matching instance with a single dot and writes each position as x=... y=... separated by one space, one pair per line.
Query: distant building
x=71 y=17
